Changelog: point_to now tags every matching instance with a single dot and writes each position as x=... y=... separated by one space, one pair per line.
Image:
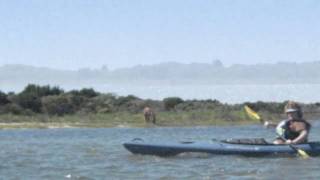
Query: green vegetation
x=45 y=106
x=171 y=102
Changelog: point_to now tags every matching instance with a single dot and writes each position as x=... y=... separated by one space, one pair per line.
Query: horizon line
x=155 y=64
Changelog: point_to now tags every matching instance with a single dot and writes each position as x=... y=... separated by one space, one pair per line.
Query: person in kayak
x=293 y=130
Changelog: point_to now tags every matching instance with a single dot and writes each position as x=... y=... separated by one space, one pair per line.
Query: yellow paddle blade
x=251 y=113
x=303 y=154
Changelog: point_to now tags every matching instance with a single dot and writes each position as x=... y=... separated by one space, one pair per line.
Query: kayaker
x=293 y=130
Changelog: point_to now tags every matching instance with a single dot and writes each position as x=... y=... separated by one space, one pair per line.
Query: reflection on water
x=98 y=154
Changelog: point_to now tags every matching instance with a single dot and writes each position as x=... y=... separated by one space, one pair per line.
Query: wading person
x=294 y=129
x=149 y=115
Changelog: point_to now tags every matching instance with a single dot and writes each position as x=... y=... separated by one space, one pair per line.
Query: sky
x=67 y=34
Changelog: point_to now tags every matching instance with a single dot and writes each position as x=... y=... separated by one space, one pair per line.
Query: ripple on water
x=98 y=154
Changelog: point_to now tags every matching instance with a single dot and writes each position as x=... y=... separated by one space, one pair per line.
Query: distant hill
x=17 y=76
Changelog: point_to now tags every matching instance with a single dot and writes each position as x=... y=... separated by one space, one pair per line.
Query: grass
x=125 y=119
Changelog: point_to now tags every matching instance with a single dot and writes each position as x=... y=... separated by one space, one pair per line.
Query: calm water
x=98 y=154
x=225 y=93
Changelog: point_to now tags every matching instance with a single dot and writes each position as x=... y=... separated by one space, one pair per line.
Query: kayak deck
x=171 y=149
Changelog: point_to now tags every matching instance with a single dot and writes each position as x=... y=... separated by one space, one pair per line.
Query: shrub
x=104 y=103
x=271 y=107
x=29 y=101
x=30 y=97
x=57 y=105
x=77 y=100
x=88 y=92
x=41 y=91
x=171 y=102
x=3 y=98
x=125 y=99
x=15 y=109
x=82 y=99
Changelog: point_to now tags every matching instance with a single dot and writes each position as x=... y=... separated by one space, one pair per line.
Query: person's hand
x=289 y=141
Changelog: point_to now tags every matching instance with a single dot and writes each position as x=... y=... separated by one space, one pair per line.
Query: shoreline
x=67 y=125
x=122 y=120
x=35 y=125
x=133 y=120
x=52 y=107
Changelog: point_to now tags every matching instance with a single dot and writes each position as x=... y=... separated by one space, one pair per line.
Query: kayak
x=219 y=148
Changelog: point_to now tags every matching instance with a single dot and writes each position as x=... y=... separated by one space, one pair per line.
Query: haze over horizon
x=72 y=35
x=216 y=62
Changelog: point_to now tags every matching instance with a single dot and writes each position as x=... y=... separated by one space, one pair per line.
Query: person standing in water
x=149 y=115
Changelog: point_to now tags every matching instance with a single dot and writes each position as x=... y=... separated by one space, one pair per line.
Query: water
x=82 y=153
x=225 y=93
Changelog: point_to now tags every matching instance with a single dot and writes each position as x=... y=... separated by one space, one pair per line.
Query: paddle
x=256 y=116
x=253 y=114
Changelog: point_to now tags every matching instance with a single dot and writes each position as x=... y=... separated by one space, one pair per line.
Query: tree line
x=52 y=100
x=35 y=99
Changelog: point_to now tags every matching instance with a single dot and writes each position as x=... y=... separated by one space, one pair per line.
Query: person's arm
x=300 y=127
x=303 y=135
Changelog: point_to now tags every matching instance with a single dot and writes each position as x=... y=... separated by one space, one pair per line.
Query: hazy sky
x=69 y=34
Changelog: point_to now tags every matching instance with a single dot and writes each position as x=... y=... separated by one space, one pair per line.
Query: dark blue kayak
x=219 y=147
